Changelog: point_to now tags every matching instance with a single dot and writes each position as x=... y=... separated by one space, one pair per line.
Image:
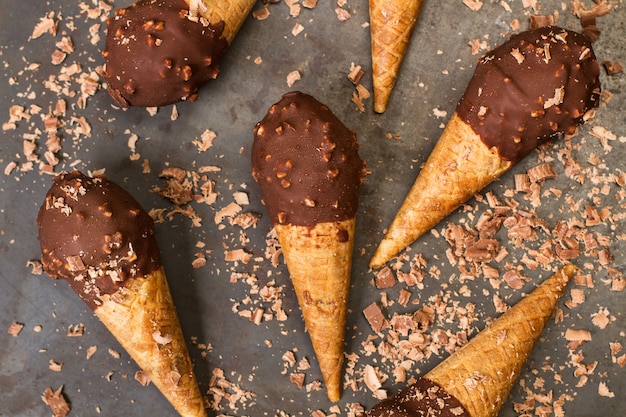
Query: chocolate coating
x=306 y=162
x=95 y=235
x=424 y=398
x=156 y=56
x=534 y=86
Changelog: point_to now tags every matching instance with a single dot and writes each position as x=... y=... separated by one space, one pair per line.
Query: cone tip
x=387 y=249
x=569 y=270
x=334 y=394
x=380 y=104
x=565 y=274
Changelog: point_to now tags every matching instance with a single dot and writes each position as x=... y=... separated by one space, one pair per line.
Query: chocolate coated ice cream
x=306 y=163
x=538 y=84
x=95 y=235
x=155 y=55
x=423 y=398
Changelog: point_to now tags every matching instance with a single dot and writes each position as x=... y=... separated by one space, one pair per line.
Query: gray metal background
x=231 y=106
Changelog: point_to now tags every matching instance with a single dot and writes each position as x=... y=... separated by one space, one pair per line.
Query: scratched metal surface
x=436 y=70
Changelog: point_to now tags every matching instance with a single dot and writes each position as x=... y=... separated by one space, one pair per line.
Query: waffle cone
x=481 y=374
x=459 y=166
x=232 y=12
x=391 y=25
x=143 y=319
x=319 y=263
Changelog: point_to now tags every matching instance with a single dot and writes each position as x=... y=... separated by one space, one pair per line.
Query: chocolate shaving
x=56 y=401
x=539 y=21
x=15 y=328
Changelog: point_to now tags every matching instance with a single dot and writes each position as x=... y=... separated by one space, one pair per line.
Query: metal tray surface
x=212 y=300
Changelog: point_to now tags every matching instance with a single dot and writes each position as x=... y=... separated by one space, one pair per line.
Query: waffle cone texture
x=459 y=166
x=391 y=26
x=320 y=265
x=482 y=373
x=232 y=12
x=143 y=319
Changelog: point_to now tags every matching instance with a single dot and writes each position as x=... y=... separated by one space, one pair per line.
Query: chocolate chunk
x=375 y=317
x=306 y=163
x=613 y=67
x=95 y=235
x=538 y=84
x=156 y=56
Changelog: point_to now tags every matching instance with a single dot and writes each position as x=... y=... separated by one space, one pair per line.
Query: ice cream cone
x=97 y=237
x=319 y=261
x=233 y=13
x=482 y=386
x=143 y=319
x=537 y=85
x=459 y=166
x=391 y=26
x=160 y=52
x=306 y=163
x=476 y=380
